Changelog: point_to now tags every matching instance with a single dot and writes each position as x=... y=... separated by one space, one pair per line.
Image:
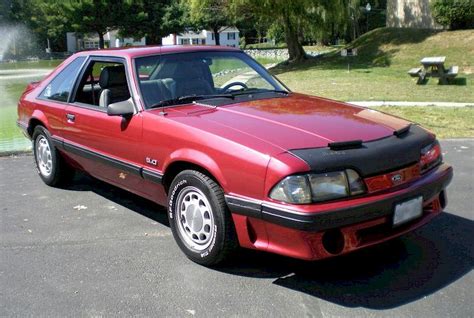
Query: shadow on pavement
x=149 y=209
x=381 y=277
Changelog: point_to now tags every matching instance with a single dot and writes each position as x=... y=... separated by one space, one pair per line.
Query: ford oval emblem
x=396 y=178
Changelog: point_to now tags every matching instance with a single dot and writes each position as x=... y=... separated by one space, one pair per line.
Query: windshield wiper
x=188 y=99
x=260 y=91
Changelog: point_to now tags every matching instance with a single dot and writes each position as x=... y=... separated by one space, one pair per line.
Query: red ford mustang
x=238 y=158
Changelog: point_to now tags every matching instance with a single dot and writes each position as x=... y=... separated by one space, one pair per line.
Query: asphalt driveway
x=95 y=250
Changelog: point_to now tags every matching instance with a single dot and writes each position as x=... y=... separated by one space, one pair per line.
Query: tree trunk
x=295 y=49
x=153 y=39
x=101 y=40
x=215 y=30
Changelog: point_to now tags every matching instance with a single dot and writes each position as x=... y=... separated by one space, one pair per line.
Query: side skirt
x=143 y=172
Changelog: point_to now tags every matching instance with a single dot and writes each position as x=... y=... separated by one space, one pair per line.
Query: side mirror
x=124 y=108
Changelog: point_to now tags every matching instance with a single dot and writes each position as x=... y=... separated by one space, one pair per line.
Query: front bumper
x=375 y=206
x=302 y=231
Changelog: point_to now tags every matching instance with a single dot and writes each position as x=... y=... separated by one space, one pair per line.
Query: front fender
x=197 y=158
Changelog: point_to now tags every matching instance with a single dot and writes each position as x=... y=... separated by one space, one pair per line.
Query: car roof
x=137 y=51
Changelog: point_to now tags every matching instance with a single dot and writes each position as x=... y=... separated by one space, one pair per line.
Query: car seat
x=113 y=83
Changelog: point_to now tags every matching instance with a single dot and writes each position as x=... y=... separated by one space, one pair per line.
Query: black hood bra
x=372 y=157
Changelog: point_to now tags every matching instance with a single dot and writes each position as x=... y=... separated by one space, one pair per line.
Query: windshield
x=168 y=79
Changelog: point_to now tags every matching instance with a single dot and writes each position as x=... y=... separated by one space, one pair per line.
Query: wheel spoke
x=195 y=218
x=44 y=156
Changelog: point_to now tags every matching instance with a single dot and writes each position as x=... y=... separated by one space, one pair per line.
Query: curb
x=16 y=153
x=407 y=104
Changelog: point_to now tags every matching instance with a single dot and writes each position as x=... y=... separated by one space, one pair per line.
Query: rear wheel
x=199 y=218
x=49 y=163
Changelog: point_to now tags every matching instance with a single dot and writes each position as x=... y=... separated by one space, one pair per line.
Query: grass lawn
x=445 y=122
x=267 y=60
x=49 y=64
x=379 y=72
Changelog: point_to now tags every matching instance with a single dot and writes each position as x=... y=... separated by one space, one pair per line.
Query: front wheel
x=199 y=218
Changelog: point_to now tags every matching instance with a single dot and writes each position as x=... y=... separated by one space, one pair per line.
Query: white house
x=78 y=41
x=228 y=36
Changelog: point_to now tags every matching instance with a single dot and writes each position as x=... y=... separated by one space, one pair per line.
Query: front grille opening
x=376 y=233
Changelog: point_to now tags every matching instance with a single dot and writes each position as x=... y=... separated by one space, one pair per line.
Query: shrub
x=455 y=14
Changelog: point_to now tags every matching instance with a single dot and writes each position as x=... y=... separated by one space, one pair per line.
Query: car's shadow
x=137 y=204
x=382 y=277
x=386 y=276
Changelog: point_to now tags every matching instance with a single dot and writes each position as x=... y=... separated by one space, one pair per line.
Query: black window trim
x=101 y=58
x=89 y=107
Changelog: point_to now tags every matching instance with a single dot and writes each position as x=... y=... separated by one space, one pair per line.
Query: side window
x=103 y=83
x=60 y=87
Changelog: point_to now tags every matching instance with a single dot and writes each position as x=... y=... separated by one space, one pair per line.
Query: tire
x=50 y=165
x=199 y=218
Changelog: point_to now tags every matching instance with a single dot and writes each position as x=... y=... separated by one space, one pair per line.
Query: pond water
x=13 y=79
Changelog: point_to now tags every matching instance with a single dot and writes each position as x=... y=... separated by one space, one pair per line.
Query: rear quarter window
x=61 y=85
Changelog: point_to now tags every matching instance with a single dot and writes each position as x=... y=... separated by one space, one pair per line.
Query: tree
x=455 y=14
x=99 y=16
x=48 y=21
x=5 y=11
x=253 y=28
x=289 y=14
x=328 y=23
x=295 y=17
x=211 y=14
x=153 y=19
x=43 y=18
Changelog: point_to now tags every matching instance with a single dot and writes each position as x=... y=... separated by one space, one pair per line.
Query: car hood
x=293 y=122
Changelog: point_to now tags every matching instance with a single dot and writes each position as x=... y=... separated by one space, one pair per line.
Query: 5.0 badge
x=151 y=161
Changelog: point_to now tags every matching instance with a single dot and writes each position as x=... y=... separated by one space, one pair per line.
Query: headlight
x=327 y=186
x=293 y=189
x=308 y=188
x=431 y=156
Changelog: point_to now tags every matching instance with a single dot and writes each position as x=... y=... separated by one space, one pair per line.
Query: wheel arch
x=193 y=160
x=38 y=118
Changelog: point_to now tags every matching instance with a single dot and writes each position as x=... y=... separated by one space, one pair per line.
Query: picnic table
x=434 y=67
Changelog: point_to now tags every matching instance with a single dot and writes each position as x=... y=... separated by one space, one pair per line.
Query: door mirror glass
x=124 y=108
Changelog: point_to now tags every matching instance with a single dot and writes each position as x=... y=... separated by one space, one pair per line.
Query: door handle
x=70 y=118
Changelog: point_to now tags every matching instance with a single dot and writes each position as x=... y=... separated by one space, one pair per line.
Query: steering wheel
x=226 y=88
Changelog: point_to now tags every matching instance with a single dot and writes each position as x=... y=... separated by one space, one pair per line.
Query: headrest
x=112 y=76
x=188 y=71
